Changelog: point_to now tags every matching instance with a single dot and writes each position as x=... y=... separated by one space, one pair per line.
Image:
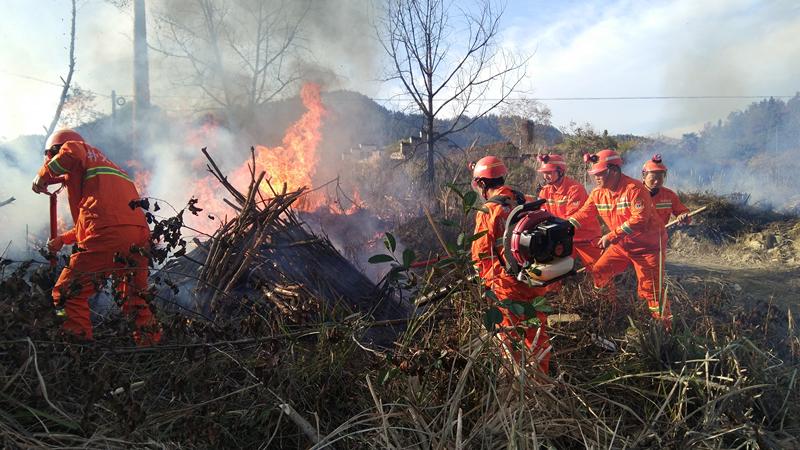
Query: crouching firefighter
x=636 y=237
x=505 y=258
x=107 y=231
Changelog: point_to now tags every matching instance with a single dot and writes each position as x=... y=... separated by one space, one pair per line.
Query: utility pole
x=141 y=77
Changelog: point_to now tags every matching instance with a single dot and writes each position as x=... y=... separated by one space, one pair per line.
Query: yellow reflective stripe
x=56 y=167
x=604 y=207
x=574 y=222
x=105 y=170
x=624 y=227
x=623 y=205
x=666 y=205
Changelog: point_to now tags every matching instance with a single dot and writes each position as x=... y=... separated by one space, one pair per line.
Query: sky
x=597 y=49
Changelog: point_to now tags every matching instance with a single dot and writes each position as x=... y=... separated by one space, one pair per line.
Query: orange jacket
x=486 y=250
x=667 y=204
x=628 y=212
x=99 y=191
x=565 y=200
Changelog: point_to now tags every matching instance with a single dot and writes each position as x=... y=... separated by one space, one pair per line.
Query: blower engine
x=537 y=246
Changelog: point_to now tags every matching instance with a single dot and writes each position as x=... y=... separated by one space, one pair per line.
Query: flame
x=293 y=163
x=335 y=207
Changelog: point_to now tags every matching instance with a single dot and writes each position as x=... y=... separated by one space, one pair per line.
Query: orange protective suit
x=637 y=236
x=106 y=227
x=667 y=204
x=564 y=200
x=485 y=254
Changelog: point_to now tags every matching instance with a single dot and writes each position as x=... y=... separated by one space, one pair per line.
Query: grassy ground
x=726 y=377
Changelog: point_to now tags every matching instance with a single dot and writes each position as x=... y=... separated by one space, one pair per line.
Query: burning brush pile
x=266 y=253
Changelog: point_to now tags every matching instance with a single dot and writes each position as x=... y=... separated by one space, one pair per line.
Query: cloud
x=623 y=48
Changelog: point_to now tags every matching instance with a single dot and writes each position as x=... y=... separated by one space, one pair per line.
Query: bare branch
x=68 y=80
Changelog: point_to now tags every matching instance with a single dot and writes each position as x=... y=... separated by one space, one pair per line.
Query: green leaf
x=517 y=308
x=408 y=257
x=455 y=190
x=491 y=296
x=469 y=200
x=381 y=258
x=389 y=374
x=448 y=223
x=532 y=322
x=452 y=249
x=540 y=304
x=492 y=318
x=477 y=236
x=530 y=310
x=390 y=242
x=460 y=240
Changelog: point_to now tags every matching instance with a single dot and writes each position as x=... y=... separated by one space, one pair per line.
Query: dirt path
x=782 y=283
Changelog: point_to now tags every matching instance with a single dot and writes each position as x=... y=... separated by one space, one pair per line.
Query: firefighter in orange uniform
x=665 y=200
x=564 y=197
x=637 y=235
x=488 y=175
x=106 y=227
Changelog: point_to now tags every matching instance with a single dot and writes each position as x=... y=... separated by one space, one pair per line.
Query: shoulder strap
x=503 y=200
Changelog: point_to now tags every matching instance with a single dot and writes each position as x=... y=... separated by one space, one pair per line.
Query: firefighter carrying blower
x=637 y=236
x=524 y=249
x=106 y=229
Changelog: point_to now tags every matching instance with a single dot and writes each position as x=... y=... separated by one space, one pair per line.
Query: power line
x=399 y=99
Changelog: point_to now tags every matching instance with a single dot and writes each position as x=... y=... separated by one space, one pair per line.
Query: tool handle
x=53 y=222
x=696 y=211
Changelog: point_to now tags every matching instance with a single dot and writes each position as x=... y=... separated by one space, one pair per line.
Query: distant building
x=362 y=152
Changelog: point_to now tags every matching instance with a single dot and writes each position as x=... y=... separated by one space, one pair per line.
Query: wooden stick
x=696 y=211
x=436 y=230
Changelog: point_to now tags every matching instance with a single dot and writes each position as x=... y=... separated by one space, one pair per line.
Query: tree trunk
x=431 y=168
x=141 y=77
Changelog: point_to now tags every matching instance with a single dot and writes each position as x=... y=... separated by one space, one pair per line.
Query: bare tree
x=450 y=64
x=239 y=53
x=523 y=121
x=65 y=82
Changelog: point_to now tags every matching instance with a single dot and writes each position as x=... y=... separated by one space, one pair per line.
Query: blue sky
x=613 y=48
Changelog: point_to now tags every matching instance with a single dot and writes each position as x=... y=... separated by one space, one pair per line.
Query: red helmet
x=551 y=163
x=602 y=160
x=489 y=167
x=61 y=136
x=654 y=165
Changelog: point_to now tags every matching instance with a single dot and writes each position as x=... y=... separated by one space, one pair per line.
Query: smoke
x=752 y=154
x=22 y=158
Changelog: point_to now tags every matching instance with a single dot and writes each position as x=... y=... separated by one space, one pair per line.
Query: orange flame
x=295 y=162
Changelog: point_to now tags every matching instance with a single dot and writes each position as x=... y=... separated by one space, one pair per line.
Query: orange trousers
x=537 y=347
x=88 y=269
x=514 y=334
x=649 y=267
x=588 y=252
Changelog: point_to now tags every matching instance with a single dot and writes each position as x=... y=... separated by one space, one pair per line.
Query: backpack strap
x=502 y=200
